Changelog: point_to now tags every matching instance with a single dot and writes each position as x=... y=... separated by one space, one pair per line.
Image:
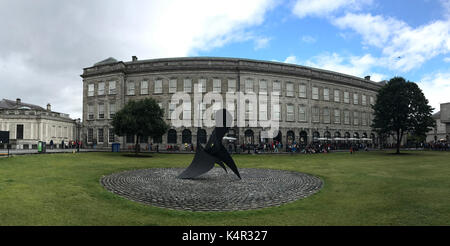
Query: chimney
x=134 y=58
x=367 y=77
x=18 y=101
x=49 y=107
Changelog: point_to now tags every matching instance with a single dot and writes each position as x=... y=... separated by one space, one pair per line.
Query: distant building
x=442 y=130
x=315 y=104
x=28 y=124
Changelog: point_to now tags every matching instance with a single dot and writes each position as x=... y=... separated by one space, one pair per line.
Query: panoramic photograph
x=208 y=116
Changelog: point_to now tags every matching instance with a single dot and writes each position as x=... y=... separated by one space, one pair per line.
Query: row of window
x=316 y=92
x=324 y=115
x=101 y=135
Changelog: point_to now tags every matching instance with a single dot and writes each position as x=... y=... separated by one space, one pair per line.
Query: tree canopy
x=140 y=118
x=402 y=108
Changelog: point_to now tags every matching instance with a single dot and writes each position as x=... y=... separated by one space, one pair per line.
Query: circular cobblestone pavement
x=213 y=191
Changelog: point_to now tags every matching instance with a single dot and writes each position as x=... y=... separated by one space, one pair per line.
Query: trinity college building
x=314 y=104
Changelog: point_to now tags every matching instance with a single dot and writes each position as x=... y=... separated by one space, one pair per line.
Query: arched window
x=316 y=135
x=356 y=135
x=278 y=137
x=249 y=137
x=337 y=134
x=186 y=136
x=201 y=136
x=364 y=135
x=347 y=135
x=290 y=137
x=303 y=137
x=327 y=134
x=172 y=136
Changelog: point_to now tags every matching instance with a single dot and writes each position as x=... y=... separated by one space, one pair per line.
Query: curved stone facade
x=314 y=103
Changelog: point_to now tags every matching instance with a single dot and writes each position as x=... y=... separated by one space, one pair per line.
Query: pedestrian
x=351 y=150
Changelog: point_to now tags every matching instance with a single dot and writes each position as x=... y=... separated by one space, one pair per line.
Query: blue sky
x=46 y=44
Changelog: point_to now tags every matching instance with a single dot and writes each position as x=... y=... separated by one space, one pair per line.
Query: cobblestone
x=213 y=191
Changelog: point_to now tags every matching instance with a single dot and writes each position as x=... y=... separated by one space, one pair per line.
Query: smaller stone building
x=28 y=124
x=441 y=132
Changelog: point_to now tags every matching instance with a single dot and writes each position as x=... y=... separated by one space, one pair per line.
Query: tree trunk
x=137 y=147
x=399 y=139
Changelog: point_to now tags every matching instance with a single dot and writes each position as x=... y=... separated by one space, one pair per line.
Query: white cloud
x=403 y=47
x=51 y=41
x=446 y=59
x=436 y=87
x=308 y=39
x=359 y=66
x=261 y=43
x=322 y=8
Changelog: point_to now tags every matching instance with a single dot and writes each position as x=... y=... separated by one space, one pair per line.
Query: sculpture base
x=213 y=191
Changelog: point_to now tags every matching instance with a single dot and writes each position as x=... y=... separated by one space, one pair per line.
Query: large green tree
x=401 y=108
x=140 y=118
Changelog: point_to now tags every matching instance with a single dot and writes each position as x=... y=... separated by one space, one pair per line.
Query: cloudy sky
x=45 y=44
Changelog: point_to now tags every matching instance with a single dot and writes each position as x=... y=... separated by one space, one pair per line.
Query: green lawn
x=374 y=188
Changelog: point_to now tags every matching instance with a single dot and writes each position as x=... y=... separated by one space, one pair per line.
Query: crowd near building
x=27 y=124
x=316 y=106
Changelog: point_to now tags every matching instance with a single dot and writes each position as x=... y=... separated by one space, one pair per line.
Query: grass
x=373 y=188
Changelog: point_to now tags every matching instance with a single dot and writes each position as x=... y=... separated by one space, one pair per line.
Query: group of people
x=69 y=145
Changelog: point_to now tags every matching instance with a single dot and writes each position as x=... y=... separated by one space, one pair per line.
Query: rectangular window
x=111 y=135
x=337 y=96
x=186 y=110
x=315 y=93
x=172 y=107
x=363 y=100
x=101 y=89
x=19 y=134
x=172 y=86
x=302 y=91
x=112 y=87
x=289 y=89
x=355 y=98
x=112 y=110
x=276 y=88
x=130 y=88
x=347 y=117
x=90 y=135
x=90 y=90
x=230 y=108
x=326 y=115
x=217 y=85
x=346 y=97
x=302 y=113
x=202 y=85
x=276 y=112
x=263 y=110
x=144 y=87
x=326 y=94
x=90 y=110
x=355 y=118
x=363 y=119
x=216 y=106
x=187 y=85
x=372 y=101
x=101 y=111
x=231 y=85
x=248 y=86
x=158 y=86
x=262 y=87
x=248 y=111
x=100 y=135
x=315 y=114
x=337 y=116
x=290 y=116
x=201 y=107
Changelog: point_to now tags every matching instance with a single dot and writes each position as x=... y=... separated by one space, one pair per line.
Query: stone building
x=28 y=124
x=315 y=104
x=442 y=130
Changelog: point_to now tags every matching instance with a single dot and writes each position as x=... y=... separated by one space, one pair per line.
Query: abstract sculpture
x=213 y=152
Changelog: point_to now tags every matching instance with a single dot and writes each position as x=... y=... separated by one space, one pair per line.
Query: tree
x=140 y=118
x=402 y=108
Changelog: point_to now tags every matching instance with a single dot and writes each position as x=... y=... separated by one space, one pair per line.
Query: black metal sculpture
x=213 y=152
